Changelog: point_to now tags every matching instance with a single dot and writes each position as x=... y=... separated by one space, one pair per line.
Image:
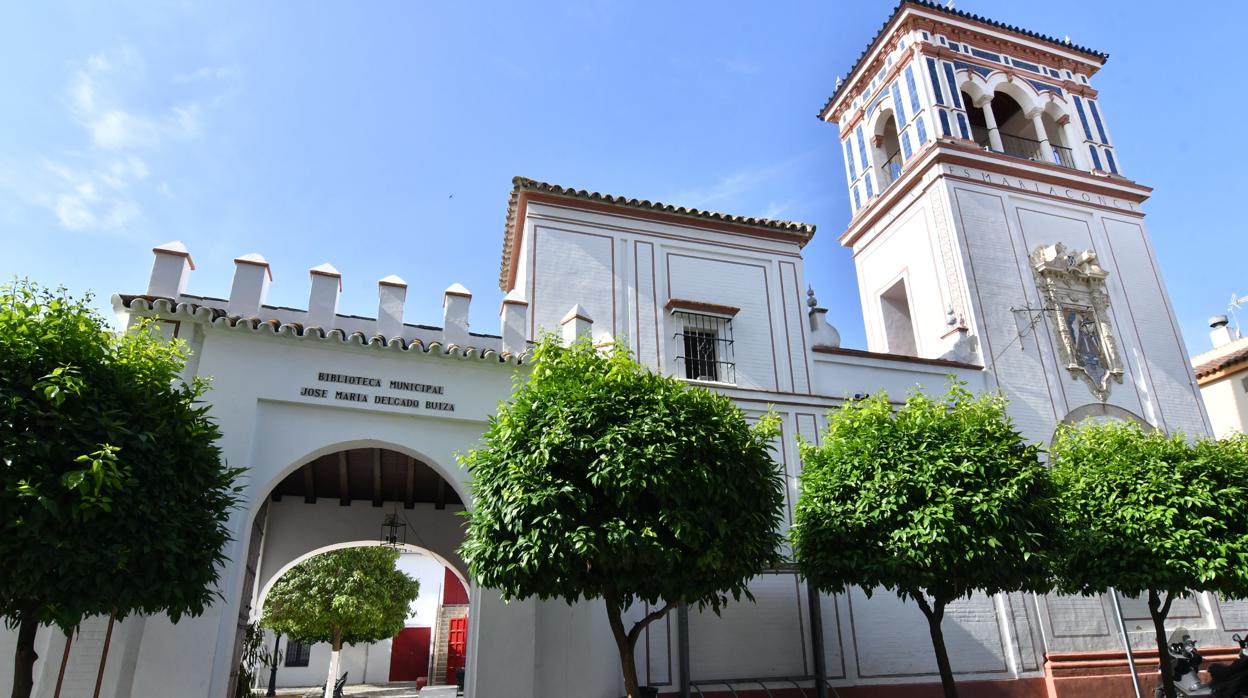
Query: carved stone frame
x=1073 y=280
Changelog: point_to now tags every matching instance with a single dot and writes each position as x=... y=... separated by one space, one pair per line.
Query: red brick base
x=1107 y=674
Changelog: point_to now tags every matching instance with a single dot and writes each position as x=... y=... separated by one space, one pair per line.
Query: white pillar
x=323 y=298
x=1046 y=150
x=251 y=285
x=990 y=119
x=1078 y=151
x=391 y=293
x=169 y=270
x=455 y=302
x=575 y=324
x=514 y=315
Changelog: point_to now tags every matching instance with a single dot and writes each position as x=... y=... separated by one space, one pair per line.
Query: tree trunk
x=625 y=642
x=336 y=649
x=624 y=645
x=25 y=656
x=935 y=613
x=1159 y=611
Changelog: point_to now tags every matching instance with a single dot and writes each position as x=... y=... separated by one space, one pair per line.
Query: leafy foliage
x=113 y=496
x=601 y=475
x=941 y=495
x=934 y=500
x=346 y=596
x=1151 y=514
x=1143 y=511
x=601 y=479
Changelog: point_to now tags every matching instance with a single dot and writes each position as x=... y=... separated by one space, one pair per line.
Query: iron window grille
x=297 y=653
x=705 y=347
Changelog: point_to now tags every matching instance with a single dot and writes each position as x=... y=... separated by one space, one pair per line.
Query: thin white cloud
x=737 y=192
x=100 y=188
x=205 y=73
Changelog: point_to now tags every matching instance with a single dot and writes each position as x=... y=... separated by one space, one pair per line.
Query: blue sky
x=382 y=136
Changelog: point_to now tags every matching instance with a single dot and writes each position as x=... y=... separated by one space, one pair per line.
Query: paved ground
x=390 y=690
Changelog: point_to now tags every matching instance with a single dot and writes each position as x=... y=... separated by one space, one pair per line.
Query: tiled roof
x=524 y=184
x=929 y=5
x=168 y=308
x=1222 y=357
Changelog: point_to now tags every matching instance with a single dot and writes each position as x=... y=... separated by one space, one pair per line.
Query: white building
x=1222 y=373
x=996 y=238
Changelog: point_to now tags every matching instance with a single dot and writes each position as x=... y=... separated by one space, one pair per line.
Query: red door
x=457 y=644
x=409 y=654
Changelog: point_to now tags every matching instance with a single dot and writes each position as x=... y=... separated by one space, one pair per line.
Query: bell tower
x=993 y=222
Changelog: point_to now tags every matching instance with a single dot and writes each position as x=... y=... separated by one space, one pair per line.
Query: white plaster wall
x=743 y=285
x=623 y=270
x=905 y=251
x=1226 y=400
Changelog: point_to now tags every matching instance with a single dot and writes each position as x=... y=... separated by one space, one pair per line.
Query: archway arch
x=267 y=585
x=337 y=495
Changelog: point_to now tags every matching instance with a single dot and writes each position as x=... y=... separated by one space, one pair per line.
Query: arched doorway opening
x=887 y=153
x=364 y=495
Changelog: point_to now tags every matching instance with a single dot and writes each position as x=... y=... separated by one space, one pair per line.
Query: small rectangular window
x=1244 y=382
x=706 y=347
x=297 y=653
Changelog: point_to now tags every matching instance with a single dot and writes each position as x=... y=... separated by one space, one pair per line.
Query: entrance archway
x=340 y=497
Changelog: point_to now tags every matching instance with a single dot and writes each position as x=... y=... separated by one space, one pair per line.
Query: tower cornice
x=961 y=26
x=958 y=160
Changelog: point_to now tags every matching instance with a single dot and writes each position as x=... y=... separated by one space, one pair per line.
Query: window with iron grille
x=297 y=653
x=704 y=346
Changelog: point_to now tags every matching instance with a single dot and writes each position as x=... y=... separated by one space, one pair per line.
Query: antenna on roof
x=1237 y=302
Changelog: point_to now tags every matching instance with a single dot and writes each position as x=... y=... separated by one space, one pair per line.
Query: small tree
x=346 y=596
x=933 y=501
x=601 y=479
x=113 y=496
x=1148 y=513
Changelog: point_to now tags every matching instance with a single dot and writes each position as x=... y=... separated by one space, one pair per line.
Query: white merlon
x=251 y=285
x=576 y=324
x=323 y=298
x=455 y=302
x=513 y=316
x=391 y=293
x=169 y=270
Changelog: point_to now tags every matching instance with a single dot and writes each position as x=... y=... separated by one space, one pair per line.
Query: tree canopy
x=1150 y=514
x=934 y=500
x=347 y=596
x=114 y=497
x=602 y=479
x=343 y=596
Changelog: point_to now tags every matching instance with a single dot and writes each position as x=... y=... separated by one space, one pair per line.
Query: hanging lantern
x=393 y=531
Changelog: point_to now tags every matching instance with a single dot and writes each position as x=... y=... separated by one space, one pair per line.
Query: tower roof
x=1098 y=56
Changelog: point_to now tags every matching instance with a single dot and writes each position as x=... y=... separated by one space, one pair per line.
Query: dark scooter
x=1228 y=680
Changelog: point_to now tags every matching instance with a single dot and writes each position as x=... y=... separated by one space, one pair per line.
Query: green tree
x=601 y=479
x=113 y=495
x=341 y=597
x=1148 y=513
x=933 y=501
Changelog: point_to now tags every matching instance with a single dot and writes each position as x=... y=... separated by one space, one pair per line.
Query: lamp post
x=277 y=637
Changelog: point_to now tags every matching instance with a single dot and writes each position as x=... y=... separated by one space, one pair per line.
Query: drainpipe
x=1126 y=642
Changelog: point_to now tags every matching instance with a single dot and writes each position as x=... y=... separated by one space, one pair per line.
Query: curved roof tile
x=168 y=308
